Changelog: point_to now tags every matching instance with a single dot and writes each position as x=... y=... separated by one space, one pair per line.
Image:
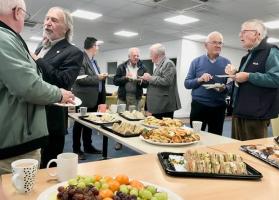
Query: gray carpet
x=112 y=153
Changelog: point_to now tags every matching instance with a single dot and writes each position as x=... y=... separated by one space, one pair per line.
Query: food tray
x=108 y=127
x=169 y=169
x=258 y=155
x=129 y=119
x=98 y=123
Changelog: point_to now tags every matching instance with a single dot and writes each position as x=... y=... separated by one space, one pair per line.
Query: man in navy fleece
x=208 y=105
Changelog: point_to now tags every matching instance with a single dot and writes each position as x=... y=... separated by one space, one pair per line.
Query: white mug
x=197 y=125
x=24 y=174
x=82 y=111
x=67 y=164
x=113 y=108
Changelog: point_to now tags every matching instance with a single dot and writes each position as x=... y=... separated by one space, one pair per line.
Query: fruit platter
x=107 y=188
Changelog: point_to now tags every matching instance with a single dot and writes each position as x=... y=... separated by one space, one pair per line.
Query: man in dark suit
x=162 y=93
x=60 y=63
x=91 y=90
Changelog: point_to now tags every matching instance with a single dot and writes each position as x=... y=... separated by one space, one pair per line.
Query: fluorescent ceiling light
x=272 y=40
x=99 y=42
x=181 y=19
x=272 y=24
x=195 y=37
x=126 y=33
x=36 y=38
x=86 y=14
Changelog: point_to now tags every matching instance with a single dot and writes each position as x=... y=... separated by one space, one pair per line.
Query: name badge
x=255 y=63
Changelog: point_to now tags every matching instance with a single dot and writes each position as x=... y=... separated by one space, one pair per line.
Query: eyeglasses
x=26 y=14
x=216 y=43
x=246 y=30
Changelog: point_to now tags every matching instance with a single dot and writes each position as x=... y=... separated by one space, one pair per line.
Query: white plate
x=81 y=76
x=77 y=103
x=150 y=126
x=225 y=76
x=50 y=193
x=166 y=144
x=212 y=86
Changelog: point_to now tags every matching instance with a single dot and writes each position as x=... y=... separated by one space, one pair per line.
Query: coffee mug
x=113 y=108
x=197 y=125
x=121 y=108
x=82 y=111
x=24 y=174
x=67 y=164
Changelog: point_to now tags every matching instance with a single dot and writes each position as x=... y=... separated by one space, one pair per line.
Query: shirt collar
x=52 y=43
x=212 y=60
x=161 y=61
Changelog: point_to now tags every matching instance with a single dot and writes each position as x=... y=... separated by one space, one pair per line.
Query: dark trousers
x=249 y=129
x=213 y=117
x=161 y=115
x=57 y=128
x=81 y=130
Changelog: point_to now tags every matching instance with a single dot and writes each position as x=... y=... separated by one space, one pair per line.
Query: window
x=112 y=66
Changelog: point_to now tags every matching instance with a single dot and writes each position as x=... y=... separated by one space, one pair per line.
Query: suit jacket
x=60 y=66
x=162 y=92
x=87 y=89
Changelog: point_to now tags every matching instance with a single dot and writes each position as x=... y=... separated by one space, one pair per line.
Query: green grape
x=97 y=184
x=134 y=191
x=72 y=182
x=88 y=180
x=145 y=194
x=152 y=189
x=124 y=189
x=161 y=195
x=81 y=185
x=154 y=198
x=104 y=186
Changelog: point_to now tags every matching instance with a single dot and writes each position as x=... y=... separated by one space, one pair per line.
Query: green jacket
x=23 y=95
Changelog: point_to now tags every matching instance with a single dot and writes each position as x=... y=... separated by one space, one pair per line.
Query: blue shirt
x=96 y=69
x=199 y=66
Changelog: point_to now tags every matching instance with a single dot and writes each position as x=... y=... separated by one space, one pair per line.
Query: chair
x=275 y=126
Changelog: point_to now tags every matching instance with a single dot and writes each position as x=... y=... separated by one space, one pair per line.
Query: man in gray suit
x=91 y=90
x=162 y=93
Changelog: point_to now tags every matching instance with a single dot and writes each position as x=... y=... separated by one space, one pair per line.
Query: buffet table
x=138 y=145
x=137 y=167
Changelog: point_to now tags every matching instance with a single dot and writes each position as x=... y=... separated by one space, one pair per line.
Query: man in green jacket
x=23 y=92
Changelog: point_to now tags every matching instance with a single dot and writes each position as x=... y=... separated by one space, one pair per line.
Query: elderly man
x=255 y=93
x=60 y=63
x=92 y=92
x=209 y=105
x=22 y=90
x=162 y=93
x=130 y=89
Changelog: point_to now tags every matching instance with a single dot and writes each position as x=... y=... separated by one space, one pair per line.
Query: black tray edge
x=105 y=126
x=277 y=140
x=96 y=123
x=129 y=119
x=242 y=147
x=162 y=156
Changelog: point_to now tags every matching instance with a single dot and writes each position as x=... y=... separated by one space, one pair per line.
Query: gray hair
x=212 y=34
x=133 y=49
x=158 y=49
x=68 y=20
x=6 y=6
x=258 y=25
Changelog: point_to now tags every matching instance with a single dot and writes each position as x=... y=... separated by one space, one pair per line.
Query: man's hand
x=205 y=78
x=146 y=77
x=230 y=69
x=34 y=56
x=102 y=76
x=67 y=96
x=241 y=77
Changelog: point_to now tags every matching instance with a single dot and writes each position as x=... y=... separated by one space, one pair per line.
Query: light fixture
x=195 y=37
x=272 y=24
x=181 y=19
x=126 y=33
x=36 y=38
x=272 y=40
x=86 y=14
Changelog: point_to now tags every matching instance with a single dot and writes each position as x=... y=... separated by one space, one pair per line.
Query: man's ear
x=16 y=13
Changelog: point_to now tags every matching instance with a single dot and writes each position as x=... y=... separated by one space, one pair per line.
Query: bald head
x=133 y=54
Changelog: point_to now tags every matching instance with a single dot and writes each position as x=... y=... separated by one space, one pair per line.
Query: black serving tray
x=258 y=155
x=277 y=140
x=169 y=169
x=108 y=127
x=129 y=119
x=98 y=123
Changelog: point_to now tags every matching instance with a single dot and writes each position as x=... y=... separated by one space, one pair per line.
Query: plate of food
x=213 y=86
x=133 y=115
x=207 y=165
x=153 y=122
x=170 y=136
x=81 y=76
x=77 y=101
x=125 y=129
x=87 y=187
x=98 y=118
